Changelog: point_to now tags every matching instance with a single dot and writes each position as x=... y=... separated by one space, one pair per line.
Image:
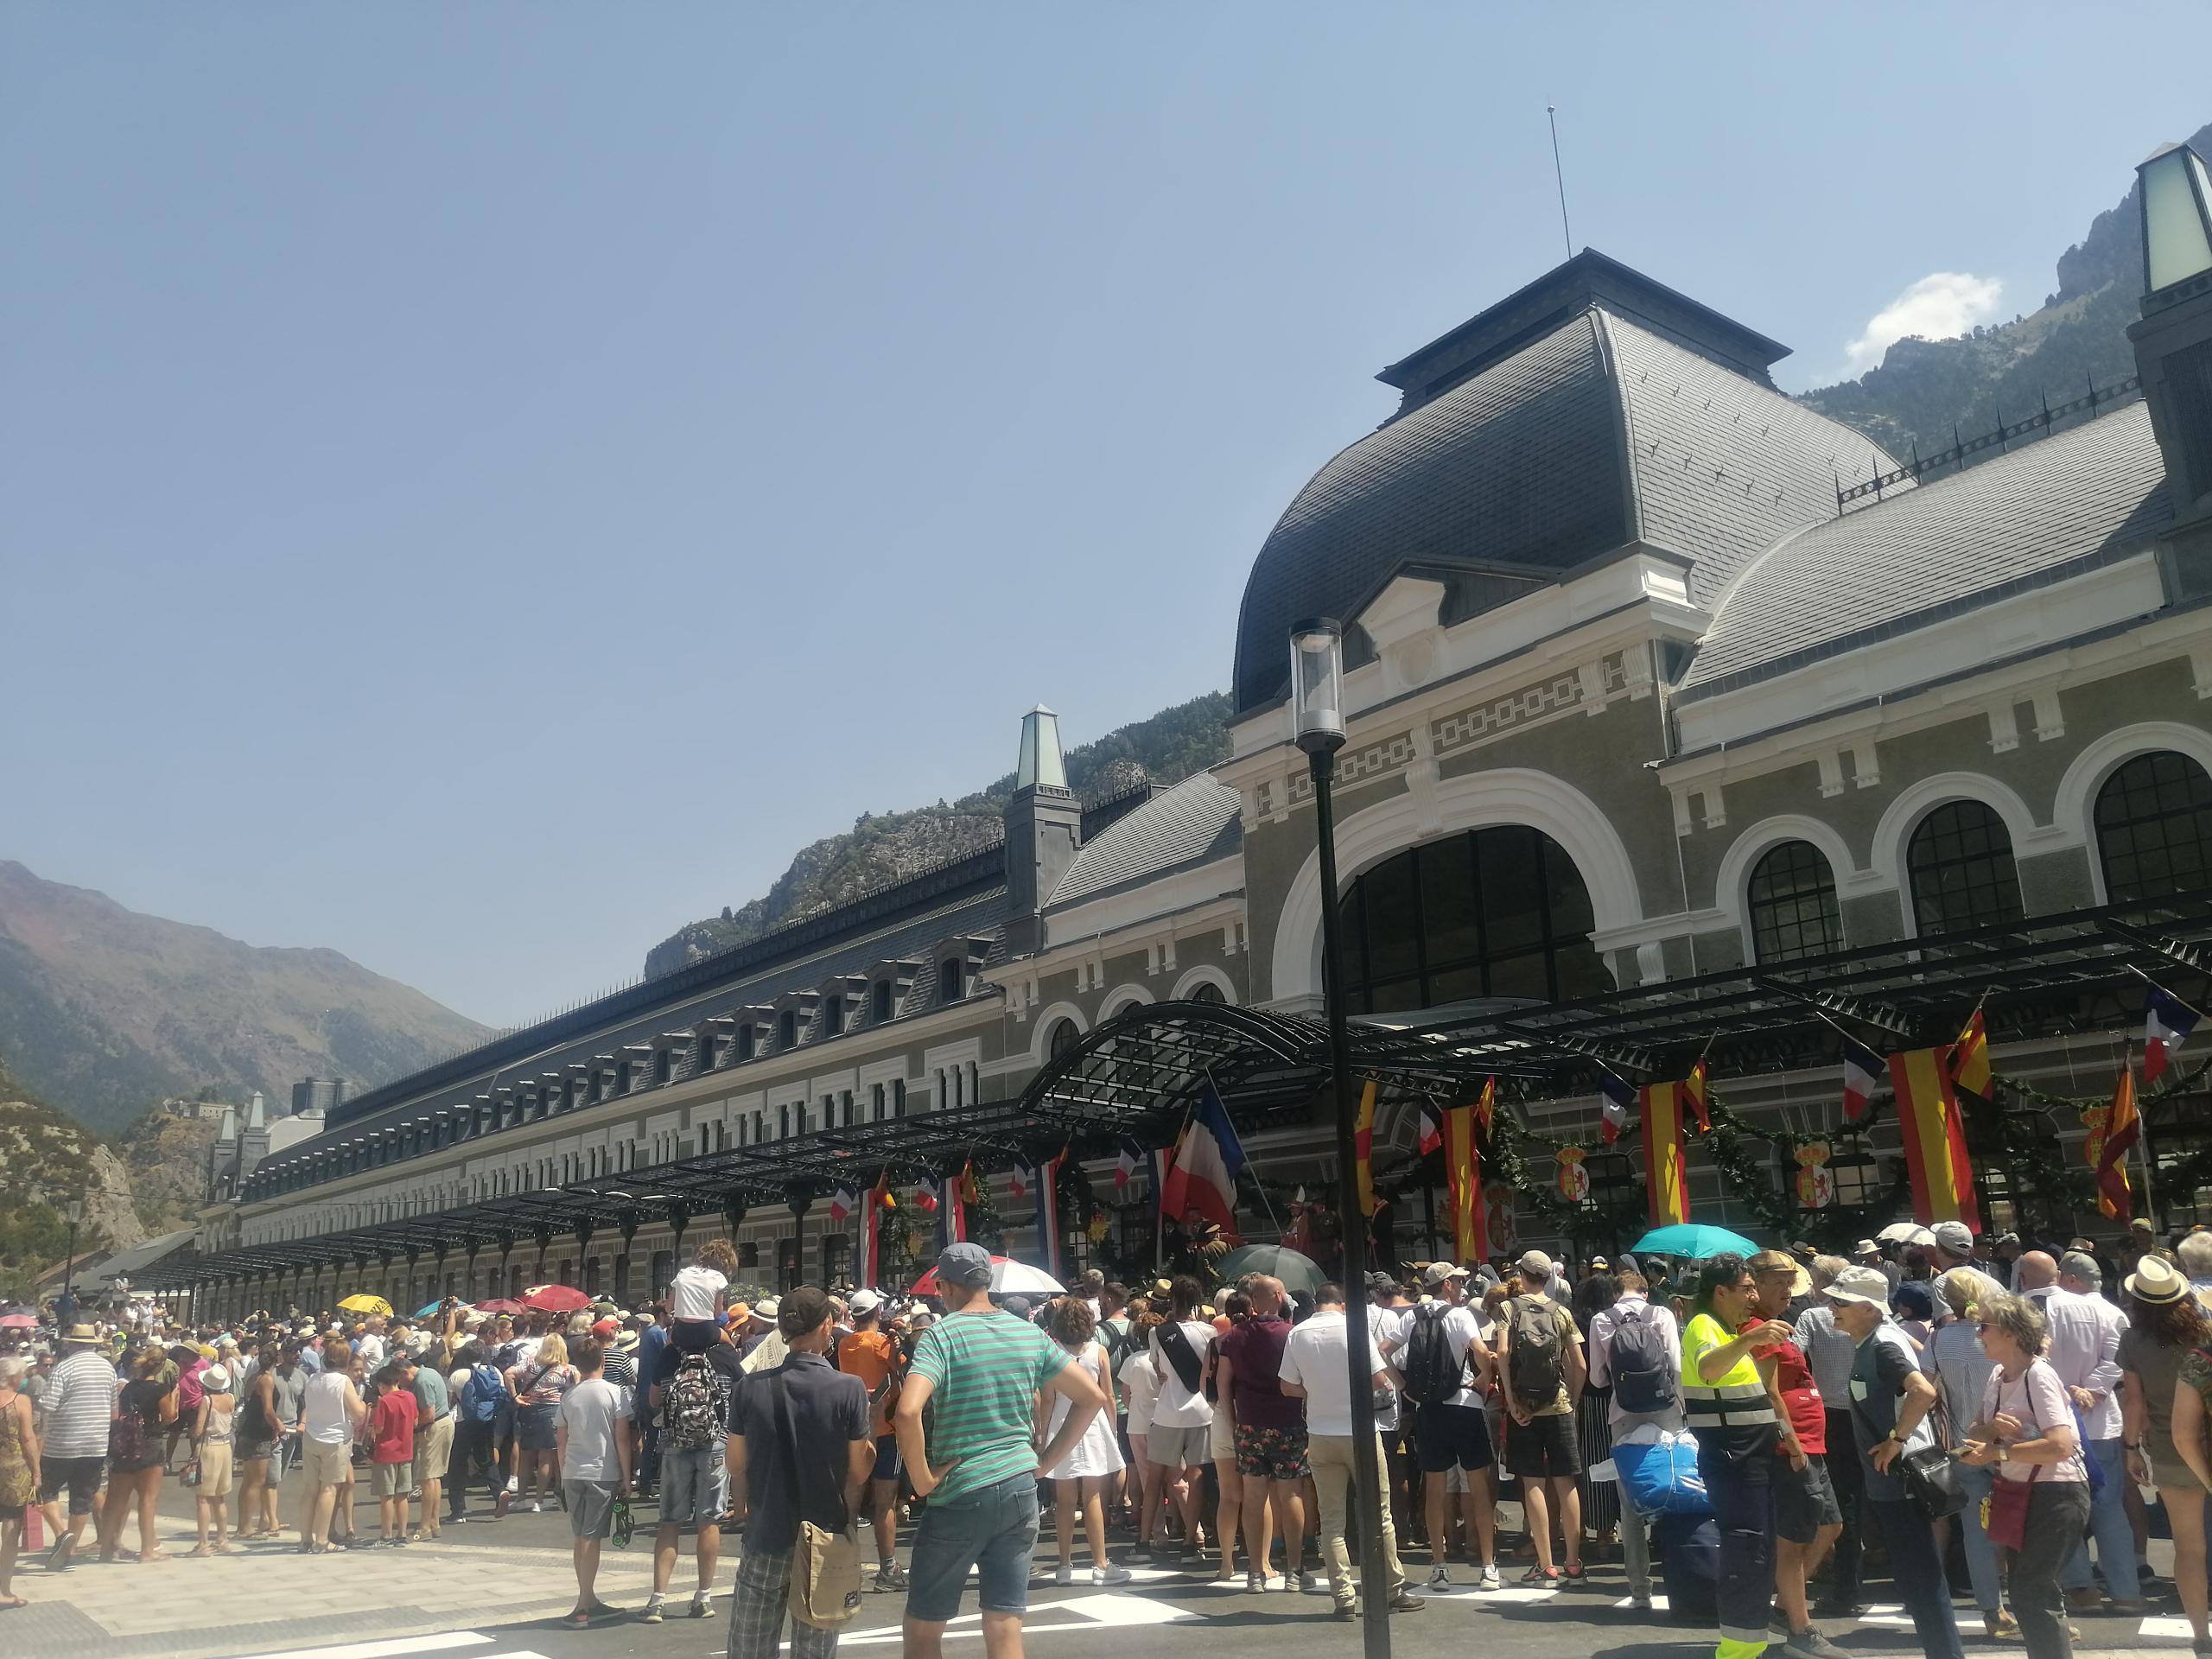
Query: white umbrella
x=1905 y=1232
x=1013 y=1278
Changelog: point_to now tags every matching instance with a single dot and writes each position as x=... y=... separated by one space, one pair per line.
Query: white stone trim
x=1122 y=999
x=1916 y=802
x=1731 y=887
x=2074 y=805
x=1205 y=974
x=1051 y=1017
x=1503 y=795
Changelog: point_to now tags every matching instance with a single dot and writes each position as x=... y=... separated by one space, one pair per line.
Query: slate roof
x=2050 y=511
x=1195 y=822
x=1597 y=432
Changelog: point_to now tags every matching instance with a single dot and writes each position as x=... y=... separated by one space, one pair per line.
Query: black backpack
x=1432 y=1375
x=1644 y=1382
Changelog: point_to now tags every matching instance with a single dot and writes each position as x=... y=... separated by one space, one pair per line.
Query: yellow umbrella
x=362 y=1302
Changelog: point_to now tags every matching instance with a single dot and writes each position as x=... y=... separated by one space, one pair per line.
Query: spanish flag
x=963 y=1192
x=1363 y=1141
x=1694 y=1090
x=1935 y=1137
x=1968 y=1065
x=1666 y=1167
x=1463 y=1171
x=2123 y=1128
x=878 y=1200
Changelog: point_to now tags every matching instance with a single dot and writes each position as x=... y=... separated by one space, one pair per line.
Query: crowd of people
x=1751 y=1430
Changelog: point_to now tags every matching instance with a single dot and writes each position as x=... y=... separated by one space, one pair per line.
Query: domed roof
x=1594 y=409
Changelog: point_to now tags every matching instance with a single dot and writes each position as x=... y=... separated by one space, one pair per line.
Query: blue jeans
x=993 y=1528
x=1981 y=1554
x=2108 y=1526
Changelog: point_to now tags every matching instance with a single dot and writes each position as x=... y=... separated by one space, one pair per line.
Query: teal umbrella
x=1694 y=1240
x=427 y=1309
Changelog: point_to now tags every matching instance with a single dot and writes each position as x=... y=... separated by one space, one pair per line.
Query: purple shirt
x=1254 y=1351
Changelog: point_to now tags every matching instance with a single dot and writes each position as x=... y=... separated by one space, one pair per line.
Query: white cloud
x=1938 y=306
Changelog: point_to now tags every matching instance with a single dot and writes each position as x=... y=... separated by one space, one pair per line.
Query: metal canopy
x=1136 y=1075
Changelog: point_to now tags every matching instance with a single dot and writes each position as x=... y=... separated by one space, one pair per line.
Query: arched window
x=1206 y=991
x=1793 y=904
x=1064 y=1037
x=2154 y=828
x=1492 y=913
x=1959 y=863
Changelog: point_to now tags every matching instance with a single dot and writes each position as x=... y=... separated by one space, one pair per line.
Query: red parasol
x=554 y=1299
x=499 y=1305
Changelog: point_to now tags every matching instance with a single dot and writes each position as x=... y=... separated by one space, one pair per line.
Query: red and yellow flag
x=1486 y=1103
x=2123 y=1128
x=1693 y=1091
x=1968 y=1065
x=1363 y=1141
x=1463 y=1172
x=1666 y=1167
x=1935 y=1137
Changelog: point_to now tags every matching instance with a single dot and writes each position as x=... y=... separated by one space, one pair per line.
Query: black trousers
x=475 y=1449
x=1918 y=1572
x=1849 y=1480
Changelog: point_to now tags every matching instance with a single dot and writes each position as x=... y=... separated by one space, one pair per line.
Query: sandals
x=1541 y=1575
x=1573 y=1573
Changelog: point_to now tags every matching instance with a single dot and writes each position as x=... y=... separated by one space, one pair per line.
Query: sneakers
x=1809 y=1643
x=1347 y=1608
x=890 y=1576
x=500 y=1508
x=57 y=1558
x=1063 y=1574
x=1255 y=1584
x=537 y=1506
x=1305 y=1584
x=702 y=1605
x=1640 y=1601
x=2000 y=1624
x=1112 y=1573
x=1489 y=1580
x=1439 y=1579
x=654 y=1612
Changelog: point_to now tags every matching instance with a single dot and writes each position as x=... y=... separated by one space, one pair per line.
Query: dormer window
x=664 y=1067
x=879 y=1008
x=951 y=980
x=833 y=1016
x=745 y=1042
x=787 y=1029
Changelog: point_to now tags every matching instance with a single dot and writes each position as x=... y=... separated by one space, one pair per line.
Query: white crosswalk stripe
x=401 y=1647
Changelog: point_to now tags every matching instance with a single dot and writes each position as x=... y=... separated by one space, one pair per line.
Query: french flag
x=841 y=1205
x=1204 y=1176
x=2166 y=1025
x=1126 y=1163
x=1020 y=1178
x=1863 y=1071
x=1616 y=1096
x=926 y=1199
x=1431 y=1131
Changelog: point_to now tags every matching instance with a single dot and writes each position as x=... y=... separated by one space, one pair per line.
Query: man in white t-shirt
x=1317 y=1369
x=1180 y=1435
x=1450 y=1429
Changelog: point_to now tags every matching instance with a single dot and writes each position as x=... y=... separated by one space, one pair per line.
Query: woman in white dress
x=1140 y=1393
x=1080 y=1479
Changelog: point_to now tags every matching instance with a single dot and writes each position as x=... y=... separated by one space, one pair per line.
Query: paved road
x=497 y=1592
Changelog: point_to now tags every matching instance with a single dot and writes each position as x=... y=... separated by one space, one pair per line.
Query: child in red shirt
x=391 y=1430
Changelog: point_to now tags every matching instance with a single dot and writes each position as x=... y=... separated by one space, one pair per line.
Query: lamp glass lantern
x=1316 y=683
x=74 y=1208
x=2177 y=216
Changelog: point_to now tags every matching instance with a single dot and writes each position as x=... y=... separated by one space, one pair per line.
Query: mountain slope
x=104 y=1011
x=1927 y=389
x=1166 y=748
x=44 y=1160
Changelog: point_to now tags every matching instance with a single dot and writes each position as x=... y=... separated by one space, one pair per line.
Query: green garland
x=986 y=1226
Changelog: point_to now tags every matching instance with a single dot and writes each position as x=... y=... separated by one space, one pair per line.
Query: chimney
x=1044 y=830
x=2173 y=340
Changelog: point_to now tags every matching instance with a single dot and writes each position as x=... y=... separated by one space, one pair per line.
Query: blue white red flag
x=1204 y=1175
x=843 y=1203
x=2166 y=1025
x=1863 y=1071
x=1429 y=1131
x=1617 y=1096
x=1127 y=1161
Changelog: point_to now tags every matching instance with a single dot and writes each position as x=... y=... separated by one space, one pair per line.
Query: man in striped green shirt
x=976 y=1463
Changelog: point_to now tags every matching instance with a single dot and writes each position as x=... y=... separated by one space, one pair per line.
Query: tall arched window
x=1960 y=864
x=1064 y=1037
x=1206 y=991
x=1793 y=904
x=2154 y=828
x=1492 y=913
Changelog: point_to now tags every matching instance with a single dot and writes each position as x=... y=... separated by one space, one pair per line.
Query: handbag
x=1928 y=1476
x=826 y=1583
x=2004 y=1512
x=189 y=1476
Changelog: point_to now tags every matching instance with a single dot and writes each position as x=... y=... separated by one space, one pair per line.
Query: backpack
x=1533 y=1361
x=1645 y=1381
x=479 y=1395
x=693 y=1423
x=1432 y=1375
x=1117 y=1341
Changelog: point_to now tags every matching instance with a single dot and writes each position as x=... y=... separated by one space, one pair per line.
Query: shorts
x=992 y=1528
x=1544 y=1448
x=591 y=1507
x=1804 y=1502
x=251 y=1450
x=886 y=1458
x=1179 y=1448
x=433 y=1450
x=534 y=1428
x=217 y=1461
x=330 y=1462
x=693 y=1485
x=1269 y=1453
x=1452 y=1437
x=79 y=1477
x=391 y=1480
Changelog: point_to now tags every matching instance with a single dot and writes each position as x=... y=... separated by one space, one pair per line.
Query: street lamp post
x=74 y=1208
x=1317 y=670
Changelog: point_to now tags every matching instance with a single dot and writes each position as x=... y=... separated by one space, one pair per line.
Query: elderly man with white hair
x=2195 y=1255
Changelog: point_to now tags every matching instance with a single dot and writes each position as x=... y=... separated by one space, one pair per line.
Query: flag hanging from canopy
x=2123 y=1128
x=1862 y=1075
x=1463 y=1173
x=1047 y=1176
x=1616 y=1096
x=1363 y=1141
x=963 y=1192
x=1666 y=1165
x=1968 y=1065
x=2167 y=1021
x=842 y=1205
x=1204 y=1175
x=878 y=1200
x=1934 y=1135
x=1429 y=1132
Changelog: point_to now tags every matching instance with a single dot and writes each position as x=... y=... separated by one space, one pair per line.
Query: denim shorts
x=694 y=1482
x=993 y=1528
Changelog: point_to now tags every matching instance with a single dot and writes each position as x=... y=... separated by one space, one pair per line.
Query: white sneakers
x=1111 y=1574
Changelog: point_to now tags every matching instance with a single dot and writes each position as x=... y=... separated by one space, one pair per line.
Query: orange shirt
x=867 y=1355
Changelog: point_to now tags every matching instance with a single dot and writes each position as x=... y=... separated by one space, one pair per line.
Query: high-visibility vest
x=1739 y=1399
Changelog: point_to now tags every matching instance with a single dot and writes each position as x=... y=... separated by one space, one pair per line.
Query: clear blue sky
x=484 y=485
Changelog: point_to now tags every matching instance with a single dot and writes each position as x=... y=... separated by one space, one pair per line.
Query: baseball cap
x=605 y=1328
x=2082 y=1265
x=864 y=1302
x=2140 y=1224
x=1534 y=1264
x=1952 y=1237
x=968 y=1265
x=1867 y=1285
x=1437 y=1273
x=1599 y=1262
x=1378 y=1280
